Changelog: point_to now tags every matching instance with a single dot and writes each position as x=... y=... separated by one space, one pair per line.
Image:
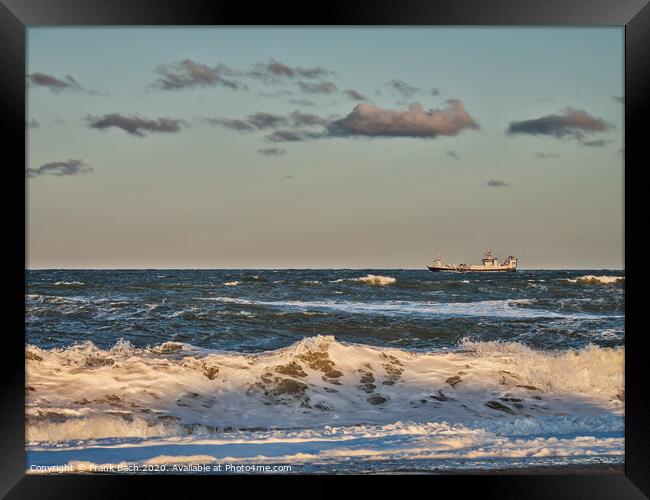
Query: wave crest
x=375 y=280
x=315 y=382
x=597 y=280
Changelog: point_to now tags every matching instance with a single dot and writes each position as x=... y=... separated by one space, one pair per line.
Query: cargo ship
x=490 y=265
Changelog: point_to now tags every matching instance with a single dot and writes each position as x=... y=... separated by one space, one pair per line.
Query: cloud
x=403 y=89
x=570 y=122
x=56 y=85
x=287 y=177
x=593 y=144
x=291 y=136
x=434 y=92
x=300 y=119
x=263 y=121
x=372 y=121
x=60 y=168
x=32 y=123
x=135 y=124
x=354 y=95
x=274 y=72
x=277 y=93
x=326 y=88
x=190 y=74
x=272 y=151
x=547 y=155
x=238 y=125
x=619 y=98
x=303 y=102
x=453 y=154
x=496 y=183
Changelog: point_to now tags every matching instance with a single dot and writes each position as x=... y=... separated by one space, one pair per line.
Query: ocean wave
x=454 y=445
x=231 y=283
x=68 y=283
x=508 y=308
x=597 y=280
x=375 y=280
x=317 y=381
x=370 y=279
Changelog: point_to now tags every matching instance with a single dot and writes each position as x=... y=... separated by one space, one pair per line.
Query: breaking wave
x=375 y=280
x=175 y=389
x=68 y=283
x=451 y=445
x=370 y=279
x=597 y=280
x=508 y=308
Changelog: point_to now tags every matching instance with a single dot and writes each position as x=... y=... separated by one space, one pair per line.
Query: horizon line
x=298 y=268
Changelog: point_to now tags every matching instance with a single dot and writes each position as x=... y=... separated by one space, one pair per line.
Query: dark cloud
x=570 y=122
x=272 y=151
x=32 y=124
x=292 y=135
x=593 y=144
x=303 y=102
x=354 y=95
x=326 y=88
x=619 y=98
x=434 y=92
x=403 y=89
x=60 y=168
x=274 y=72
x=453 y=154
x=53 y=83
x=547 y=155
x=373 y=121
x=300 y=119
x=135 y=124
x=263 y=121
x=496 y=183
x=287 y=177
x=238 y=125
x=278 y=93
x=190 y=74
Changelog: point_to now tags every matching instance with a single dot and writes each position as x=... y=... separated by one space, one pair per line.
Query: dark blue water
x=262 y=310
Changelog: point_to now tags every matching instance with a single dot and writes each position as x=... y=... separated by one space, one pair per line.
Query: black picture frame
x=17 y=15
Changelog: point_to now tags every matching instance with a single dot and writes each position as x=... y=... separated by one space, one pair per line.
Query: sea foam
x=315 y=382
x=597 y=280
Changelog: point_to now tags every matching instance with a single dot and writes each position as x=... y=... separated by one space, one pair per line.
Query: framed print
x=369 y=242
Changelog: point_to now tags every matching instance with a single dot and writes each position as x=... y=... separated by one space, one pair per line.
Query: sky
x=324 y=147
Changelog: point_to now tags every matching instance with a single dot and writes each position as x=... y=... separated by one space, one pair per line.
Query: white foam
x=509 y=308
x=465 y=445
x=312 y=383
x=597 y=280
x=376 y=280
x=231 y=283
x=97 y=427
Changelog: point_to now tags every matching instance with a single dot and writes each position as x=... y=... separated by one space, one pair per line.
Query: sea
x=344 y=371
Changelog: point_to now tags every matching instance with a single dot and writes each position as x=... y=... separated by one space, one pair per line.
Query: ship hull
x=457 y=270
x=507 y=270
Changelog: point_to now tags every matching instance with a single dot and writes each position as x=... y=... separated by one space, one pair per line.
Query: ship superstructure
x=490 y=264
